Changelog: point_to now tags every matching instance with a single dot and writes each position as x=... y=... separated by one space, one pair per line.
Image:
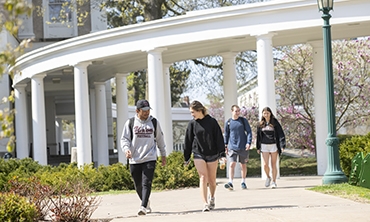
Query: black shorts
x=207 y=158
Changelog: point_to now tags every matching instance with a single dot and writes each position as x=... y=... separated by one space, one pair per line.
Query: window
x=60 y=11
x=60 y=20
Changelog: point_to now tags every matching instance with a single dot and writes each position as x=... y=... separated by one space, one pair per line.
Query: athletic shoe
x=142 y=211
x=244 y=186
x=212 y=203
x=148 y=209
x=273 y=185
x=206 y=208
x=268 y=181
x=229 y=186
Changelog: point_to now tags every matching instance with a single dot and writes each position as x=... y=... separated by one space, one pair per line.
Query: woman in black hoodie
x=204 y=139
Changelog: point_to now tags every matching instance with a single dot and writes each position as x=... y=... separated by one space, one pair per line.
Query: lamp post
x=333 y=172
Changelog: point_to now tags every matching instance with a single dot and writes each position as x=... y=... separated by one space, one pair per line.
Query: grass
x=289 y=166
x=344 y=190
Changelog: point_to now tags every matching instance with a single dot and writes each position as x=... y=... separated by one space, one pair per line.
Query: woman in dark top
x=204 y=139
x=270 y=142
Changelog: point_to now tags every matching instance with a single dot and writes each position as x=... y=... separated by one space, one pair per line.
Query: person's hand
x=258 y=151
x=186 y=163
x=247 y=147
x=282 y=150
x=128 y=154
x=164 y=161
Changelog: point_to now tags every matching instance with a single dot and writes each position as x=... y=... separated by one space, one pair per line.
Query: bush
x=68 y=201
x=348 y=149
x=114 y=177
x=175 y=175
x=14 y=208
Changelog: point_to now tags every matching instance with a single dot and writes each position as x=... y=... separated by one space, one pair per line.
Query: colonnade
x=92 y=131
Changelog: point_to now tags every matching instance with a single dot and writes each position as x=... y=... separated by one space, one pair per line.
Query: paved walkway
x=291 y=201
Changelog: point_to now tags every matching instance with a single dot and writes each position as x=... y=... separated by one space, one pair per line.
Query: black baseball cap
x=143 y=104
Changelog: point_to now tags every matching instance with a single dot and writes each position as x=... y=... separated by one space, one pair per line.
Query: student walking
x=204 y=139
x=140 y=137
x=270 y=142
x=238 y=139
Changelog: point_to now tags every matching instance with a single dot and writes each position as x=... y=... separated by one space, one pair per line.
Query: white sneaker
x=148 y=209
x=268 y=181
x=273 y=185
x=206 y=208
x=212 y=203
x=142 y=211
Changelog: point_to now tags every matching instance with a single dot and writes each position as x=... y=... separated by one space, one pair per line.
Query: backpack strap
x=154 y=121
x=228 y=126
x=131 y=125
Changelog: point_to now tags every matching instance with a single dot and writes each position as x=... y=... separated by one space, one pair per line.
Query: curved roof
x=196 y=34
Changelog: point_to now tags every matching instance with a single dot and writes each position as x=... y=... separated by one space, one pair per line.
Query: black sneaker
x=229 y=186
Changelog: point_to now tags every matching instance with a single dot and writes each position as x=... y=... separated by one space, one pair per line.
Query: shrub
x=175 y=174
x=348 y=149
x=14 y=208
x=68 y=201
x=114 y=177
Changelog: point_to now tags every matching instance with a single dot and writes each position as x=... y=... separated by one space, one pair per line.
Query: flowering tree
x=251 y=114
x=294 y=84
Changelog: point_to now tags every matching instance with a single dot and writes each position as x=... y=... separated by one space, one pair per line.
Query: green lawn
x=344 y=190
x=289 y=166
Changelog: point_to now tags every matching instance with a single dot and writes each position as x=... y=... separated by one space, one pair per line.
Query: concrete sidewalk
x=289 y=202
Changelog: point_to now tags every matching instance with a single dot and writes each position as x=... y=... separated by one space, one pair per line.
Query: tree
x=294 y=84
x=11 y=21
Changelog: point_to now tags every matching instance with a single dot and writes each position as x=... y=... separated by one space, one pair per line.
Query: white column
x=266 y=77
x=266 y=81
x=82 y=113
x=321 y=118
x=38 y=119
x=21 y=121
x=59 y=131
x=167 y=125
x=230 y=94
x=230 y=85
x=122 y=112
x=101 y=121
x=156 y=86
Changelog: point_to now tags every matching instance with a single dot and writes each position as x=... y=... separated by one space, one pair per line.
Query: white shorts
x=268 y=148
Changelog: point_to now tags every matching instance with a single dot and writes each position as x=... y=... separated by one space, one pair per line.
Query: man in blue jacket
x=238 y=139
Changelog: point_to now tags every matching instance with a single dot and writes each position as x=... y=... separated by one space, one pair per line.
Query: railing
x=178 y=147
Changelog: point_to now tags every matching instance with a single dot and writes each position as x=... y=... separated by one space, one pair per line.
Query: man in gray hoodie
x=140 y=137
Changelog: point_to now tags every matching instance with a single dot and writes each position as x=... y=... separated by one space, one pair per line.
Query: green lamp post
x=334 y=173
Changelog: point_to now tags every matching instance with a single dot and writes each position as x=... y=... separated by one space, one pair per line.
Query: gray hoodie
x=143 y=144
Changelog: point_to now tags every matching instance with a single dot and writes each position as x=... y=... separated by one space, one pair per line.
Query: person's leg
x=243 y=159
x=274 y=156
x=266 y=167
x=201 y=167
x=243 y=167
x=136 y=174
x=232 y=158
x=231 y=171
x=147 y=179
x=212 y=173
